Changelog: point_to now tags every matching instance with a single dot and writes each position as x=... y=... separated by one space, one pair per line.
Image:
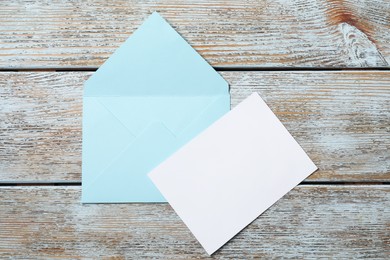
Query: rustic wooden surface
x=309 y=222
x=285 y=50
x=252 y=33
x=341 y=118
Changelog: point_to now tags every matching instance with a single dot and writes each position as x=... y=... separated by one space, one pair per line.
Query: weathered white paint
x=309 y=222
x=341 y=119
x=361 y=51
x=265 y=33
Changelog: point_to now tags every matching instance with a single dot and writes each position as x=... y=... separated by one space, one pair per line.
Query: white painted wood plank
x=309 y=222
x=340 y=118
x=265 y=33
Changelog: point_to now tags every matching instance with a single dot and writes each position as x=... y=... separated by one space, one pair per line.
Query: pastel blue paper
x=153 y=95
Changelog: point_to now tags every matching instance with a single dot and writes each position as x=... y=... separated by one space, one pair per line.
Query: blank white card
x=232 y=172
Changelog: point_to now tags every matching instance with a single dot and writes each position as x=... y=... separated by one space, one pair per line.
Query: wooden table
x=321 y=65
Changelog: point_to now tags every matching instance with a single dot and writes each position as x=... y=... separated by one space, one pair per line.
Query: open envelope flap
x=161 y=126
x=155 y=60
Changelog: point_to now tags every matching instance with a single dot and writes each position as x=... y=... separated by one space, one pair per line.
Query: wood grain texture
x=253 y=33
x=309 y=222
x=340 y=118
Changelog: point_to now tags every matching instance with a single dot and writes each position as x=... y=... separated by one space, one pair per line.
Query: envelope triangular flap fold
x=137 y=113
x=100 y=134
x=155 y=60
x=154 y=94
x=131 y=184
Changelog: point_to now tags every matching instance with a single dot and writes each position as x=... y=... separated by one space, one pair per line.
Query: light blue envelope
x=153 y=95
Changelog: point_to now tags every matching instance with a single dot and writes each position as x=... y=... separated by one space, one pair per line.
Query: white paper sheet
x=232 y=172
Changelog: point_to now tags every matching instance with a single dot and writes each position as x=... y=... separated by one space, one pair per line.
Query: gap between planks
x=217 y=68
x=304 y=183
